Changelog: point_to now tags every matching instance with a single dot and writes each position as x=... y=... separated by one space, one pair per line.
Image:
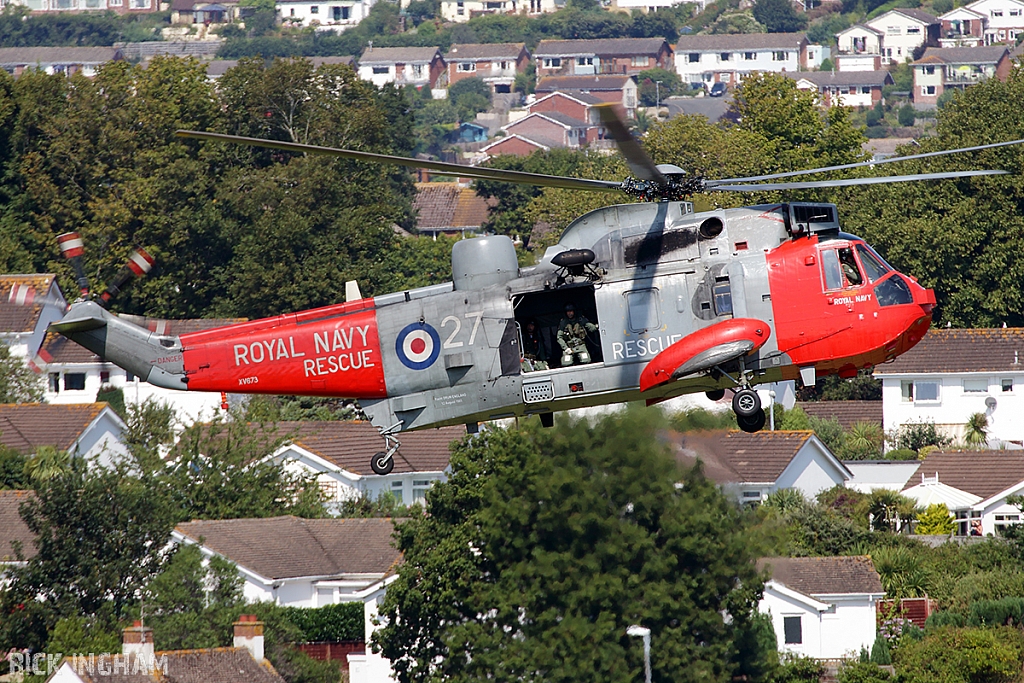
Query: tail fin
x=154 y=358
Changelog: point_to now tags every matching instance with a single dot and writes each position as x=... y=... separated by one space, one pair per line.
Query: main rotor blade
x=860 y=164
x=640 y=165
x=846 y=182
x=520 y=177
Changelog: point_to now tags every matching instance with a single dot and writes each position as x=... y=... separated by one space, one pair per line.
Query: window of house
x=397 y=488
x=552 y=62
x=467 y=66
x=750 y=56
x=1015 y=13
x=104 y=376
x=930 y=70
x=54 y=382
x=997 y=13
x=324 y=596
x=493 y=5
x=865 y=90
x=115 y=3
x=793 y=630
x=460 y=8
x=74 y=381
x=968 y=523
x=724 y=56
x=975 y=386
x=693 y=58
x=1003 y=521
x=913 y=30
x=314 y=9
x=380 y=69
x=725 y=78
x=1006 y=385
x=419 y=489
x=585 y=61
x=920 y=392
x=417 y=71
x=752 y=495
x=140 y=4
x=892 y=30
x=504 y=65
x=928 y=90
x=291 y=12
x=780 y=55
x=640 y=60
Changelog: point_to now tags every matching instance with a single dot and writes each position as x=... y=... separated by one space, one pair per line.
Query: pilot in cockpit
x=849 y=265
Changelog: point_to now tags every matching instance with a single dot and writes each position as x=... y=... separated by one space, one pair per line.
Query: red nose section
x=705 y=349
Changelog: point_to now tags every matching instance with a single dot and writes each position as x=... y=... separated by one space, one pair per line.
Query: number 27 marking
x=450 y=342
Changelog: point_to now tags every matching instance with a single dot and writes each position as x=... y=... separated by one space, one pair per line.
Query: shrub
x=880 y=651
x=1004 y=612
x=862 y=672
x=963 y=655
x=944 y=618
x=331 y=623
x=906 y=115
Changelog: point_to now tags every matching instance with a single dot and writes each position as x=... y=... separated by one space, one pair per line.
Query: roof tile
x=27 y=426
x=962 y=350
x=824 y=575
x=736 y=456
x=983 y=473
x=846 y=413
x=13 y=527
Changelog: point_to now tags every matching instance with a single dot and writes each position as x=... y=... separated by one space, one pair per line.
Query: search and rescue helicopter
x=683 y=302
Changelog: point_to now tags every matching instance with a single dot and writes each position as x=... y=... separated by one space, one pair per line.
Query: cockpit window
x=831 y=270
x=875 y=267
x=850 y=269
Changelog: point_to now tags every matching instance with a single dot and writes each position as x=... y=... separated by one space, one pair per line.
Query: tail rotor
x=73 y=248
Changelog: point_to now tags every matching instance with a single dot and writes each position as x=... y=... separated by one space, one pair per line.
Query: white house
x=369 y=666
x=752 y=466
x=336 y=14
x=338 y=454
x=63 y=60
x=87 y=430
x=872 y=475
x=844 y=88
x=984 y=22
x=298 y=562
x=952 y=374
x=974 y=485
x=728 y=58
x=822 y=607
x=464 y=10
x=893 y=35
x=403 y=66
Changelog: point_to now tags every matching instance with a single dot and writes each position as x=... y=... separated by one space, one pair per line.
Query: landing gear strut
x=384 y=461
x=747 y=404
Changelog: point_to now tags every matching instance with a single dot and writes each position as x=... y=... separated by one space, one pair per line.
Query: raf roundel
x=418 y=346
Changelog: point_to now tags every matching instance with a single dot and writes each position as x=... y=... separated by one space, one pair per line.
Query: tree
x=778 y=16
x=976 y=430
x=469 y=96
x=657 y=84
x=963 y=655
x=18 y=384
x=906 y=115
x=544 y=546
x=903 y=572
x=890 y=511
x=47 y=463
x=100 y=534
x=935 y=520
x=12 y=469
x=863 y=441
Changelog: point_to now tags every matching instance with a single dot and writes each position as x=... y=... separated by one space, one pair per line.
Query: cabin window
x=851 y=271
x=975 y=386
x=793 y=630
x=723 y=296
x=830 y=269
x=74 y=381
x=893 y=291
x=644 y=310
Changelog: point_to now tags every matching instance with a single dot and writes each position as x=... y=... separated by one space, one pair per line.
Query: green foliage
x=757 y=649
x=1004 y=612
x=13 y=474
x=863 y=672
x=917 y=435
x=77 y=634
x=220 y=472
x=261 y=408
x=796 y=669
x=778 y=16
x=658 y=82
x=19 y=28
x=819 y=532
x=944 y=618
x=785 y=502
x=100 y=536
x=149 y=429
x=699 y=419
x=114 y=396
x=935 y=519
x=902 y=571
x=332 y=623
x=907 y=115
x=469 y=96
x=863 y=441
x=985 y=585
x=826 y=65
x=18 y=384
x=47 y=463
x=543 y=546
x=976 y=430
x=880 y=651
x=890 y=511
x=967 y=655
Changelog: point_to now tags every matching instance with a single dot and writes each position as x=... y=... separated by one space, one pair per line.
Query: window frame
x=789 y=636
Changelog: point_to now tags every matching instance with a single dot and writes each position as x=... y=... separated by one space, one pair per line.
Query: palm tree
x=47 y=463
x=902 y=572
x=890 y=511
x=976 y=430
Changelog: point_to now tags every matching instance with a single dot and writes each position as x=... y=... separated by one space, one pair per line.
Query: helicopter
x=680 y=302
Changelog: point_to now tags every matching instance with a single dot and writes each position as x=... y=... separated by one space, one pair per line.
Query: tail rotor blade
x=72 y=247
x=139 y=263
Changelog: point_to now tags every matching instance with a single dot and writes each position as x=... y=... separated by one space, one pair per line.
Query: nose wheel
x=384 y=461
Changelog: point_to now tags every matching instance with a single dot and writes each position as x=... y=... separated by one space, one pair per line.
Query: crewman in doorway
x=572 y=336
x=534 y=356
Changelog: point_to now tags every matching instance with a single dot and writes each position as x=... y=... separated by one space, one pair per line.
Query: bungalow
x=403 y=66
x=941 y=69
x=338 y=454
x=298 y=562
x=28 y=304
x=53 y=60
x=91 y=430
x=974 y=485
x=729 y=58
x=553 y=129
x=337 y=14
x=601 y=56
x=952 y=374
x=495 y=64
x=750 y=467
x=822 y=607
x=844 y=88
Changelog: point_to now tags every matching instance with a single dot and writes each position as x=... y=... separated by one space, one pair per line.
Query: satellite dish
x=990 y=403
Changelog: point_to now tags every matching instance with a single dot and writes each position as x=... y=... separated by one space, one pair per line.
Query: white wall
x=955 y=405
x=810 y=471
x=826 y=635
x=899 y=40
x=326 y=13
x=711 y=63
x=891 y=475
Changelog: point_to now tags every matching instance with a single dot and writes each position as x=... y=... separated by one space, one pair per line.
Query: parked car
x=718 y=89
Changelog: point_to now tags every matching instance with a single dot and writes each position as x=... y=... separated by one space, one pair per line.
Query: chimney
x=138 y=640
x=249 y=634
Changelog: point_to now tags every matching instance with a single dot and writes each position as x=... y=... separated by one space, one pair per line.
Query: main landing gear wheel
x=752 y=424
x=746 y=403
x=715 y=394
x=383 y=463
